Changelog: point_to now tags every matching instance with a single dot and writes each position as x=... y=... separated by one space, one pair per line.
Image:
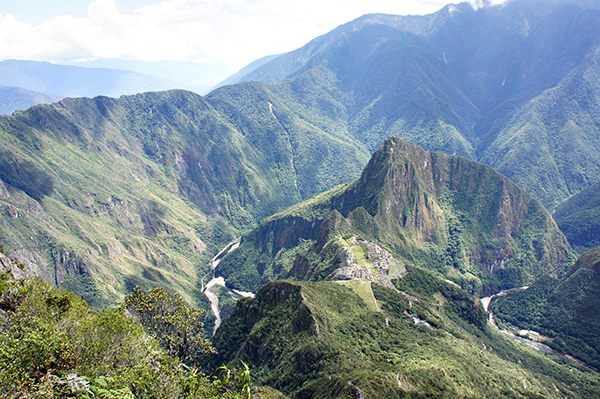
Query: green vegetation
x=564 y=310
x=25 y=176
x=52 y=344
x=514 y=87
x=579 y=218
x=168 y=319
x=109 y=194
x=320 y=339
x=444 y=213
x=363 y=289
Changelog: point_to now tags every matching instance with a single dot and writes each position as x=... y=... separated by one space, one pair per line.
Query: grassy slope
x=105 y=194
x=322 y=340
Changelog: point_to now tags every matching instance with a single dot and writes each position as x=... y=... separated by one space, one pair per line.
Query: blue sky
x=230 y=32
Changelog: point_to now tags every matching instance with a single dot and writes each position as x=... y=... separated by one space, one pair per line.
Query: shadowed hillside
x=565 y=310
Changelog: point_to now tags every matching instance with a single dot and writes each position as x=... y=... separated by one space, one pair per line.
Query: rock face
x=446 y=213
x=16 y=269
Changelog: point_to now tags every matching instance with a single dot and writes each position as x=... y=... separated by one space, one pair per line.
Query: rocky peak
x=442 y=212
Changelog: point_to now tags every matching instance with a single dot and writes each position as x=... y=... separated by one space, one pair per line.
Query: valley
x=379 y=213
x=219 y=281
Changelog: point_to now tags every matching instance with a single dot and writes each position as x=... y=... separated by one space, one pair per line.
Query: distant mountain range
x=511 y=86
x=199 y=78
x=42 y=82
x=394 y=170
x=16 y=98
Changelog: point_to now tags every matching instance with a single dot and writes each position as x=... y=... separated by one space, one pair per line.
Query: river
x=534 y=344
x=220 y=281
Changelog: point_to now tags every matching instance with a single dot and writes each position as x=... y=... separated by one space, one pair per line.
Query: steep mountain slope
x=579 y=218
x=566 y=310
x=16 y=98
x=424 y=338
x=286 y=64
x=237 y=77
x=383 y=83
x=105 y=194
x=445 y=213
x=556 y=132
x=248 y=150
x=506 y=85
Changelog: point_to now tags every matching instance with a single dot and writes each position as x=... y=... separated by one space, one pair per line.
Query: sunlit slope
x=451 y=215
x=428 y=339
x=513 y=86
x=105 y=194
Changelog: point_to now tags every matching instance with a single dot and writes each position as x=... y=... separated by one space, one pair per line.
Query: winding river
x=534 y=344
x=220 y=281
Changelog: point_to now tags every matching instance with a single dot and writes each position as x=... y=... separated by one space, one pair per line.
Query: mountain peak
x=442 y=212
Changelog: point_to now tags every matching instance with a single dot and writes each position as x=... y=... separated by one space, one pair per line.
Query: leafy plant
x=235 y=379
x=175 y=325
x=53 y=345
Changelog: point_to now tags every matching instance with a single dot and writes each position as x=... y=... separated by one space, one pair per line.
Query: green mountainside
x=146 y=189
x=53 y=345
x=565 y=310
x=458 y=218
x=101 y=195
x=425 y=338
x=512 y=86
x=554 y=132
x=367 y=259
x=579 y=218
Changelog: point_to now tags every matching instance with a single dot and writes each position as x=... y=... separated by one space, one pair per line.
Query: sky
x=229 y=32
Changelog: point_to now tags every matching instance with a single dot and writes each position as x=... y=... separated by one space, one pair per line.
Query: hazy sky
x=232 y=32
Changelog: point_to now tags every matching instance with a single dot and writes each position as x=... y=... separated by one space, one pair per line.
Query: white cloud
x=233 y=32
x=477 y=4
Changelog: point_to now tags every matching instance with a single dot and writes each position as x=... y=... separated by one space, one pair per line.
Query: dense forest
x=406 y=206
